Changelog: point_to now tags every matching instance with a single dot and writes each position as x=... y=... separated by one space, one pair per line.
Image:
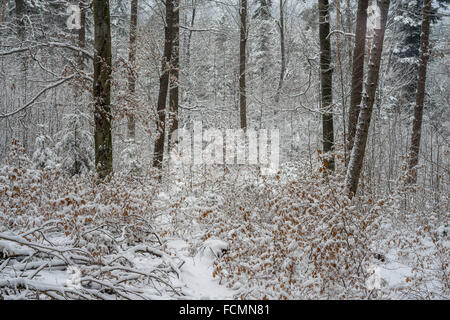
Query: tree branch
x=32 y=101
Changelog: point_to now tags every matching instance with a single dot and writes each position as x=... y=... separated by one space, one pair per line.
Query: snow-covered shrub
x=130 y=162
x=289 y=236
x=17 y=155
x=295 y=238
x=106 y=231
x=297 y=235
x=43 y=156
x=19 y=191
x=75 y=145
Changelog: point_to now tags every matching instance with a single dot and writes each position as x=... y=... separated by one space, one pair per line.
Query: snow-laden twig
x=33 y=100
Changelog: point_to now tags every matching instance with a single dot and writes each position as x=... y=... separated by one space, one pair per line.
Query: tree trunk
x=132 y=73
x=174 y=75
x=341 y=73
x=359 y=146
x=82 y=31
x=358 y=70
x=188 y=44
x=326 y=75
x=20 y=11
x=4 y=5
x=164 y=86
x=102 y=88
x=242 y=64
x=283 y=52
x=348 y=22
x=21 y=32
x=81 y=41
x=420 y=94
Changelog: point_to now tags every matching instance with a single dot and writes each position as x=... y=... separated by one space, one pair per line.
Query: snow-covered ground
x=230 y=237
x=196 y=272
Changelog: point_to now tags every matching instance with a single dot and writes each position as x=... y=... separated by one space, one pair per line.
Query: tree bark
x=359 y=147
x=242 y=64
x=82 y=31
x=102 y=88
x=21 y=32
x=81 y=38
x=132 y=74
x=420 y=94
x=188 y=44
x=348 y=22
x=357 y=71
x=326 y=78
x=174 y=75
x=283 y=52
x=20 y=11
x=4 y=5
x=341 y=73
x=164 y=86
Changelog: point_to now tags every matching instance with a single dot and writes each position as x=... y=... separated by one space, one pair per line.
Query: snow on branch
x=50 y=45
x=33 y=100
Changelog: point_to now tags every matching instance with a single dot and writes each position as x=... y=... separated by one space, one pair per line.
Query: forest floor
x=197 y=270
x=219 y=234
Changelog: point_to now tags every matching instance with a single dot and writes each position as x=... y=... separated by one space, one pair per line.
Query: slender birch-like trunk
x=359 y=146
x=420 y=93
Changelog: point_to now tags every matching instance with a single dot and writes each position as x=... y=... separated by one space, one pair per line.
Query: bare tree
x=174 y=74
x=82 y=31
x=81 y=40
x=326 y=78
x=282 y=51
x=3 y=12
x=357 y=70
x=20 y=11
x=21 y=32
x=420 y=93
x=359 y=146
x=191 y=26
x=102 y=88
x=132 y=73
x=164 y=85
x=242 y=64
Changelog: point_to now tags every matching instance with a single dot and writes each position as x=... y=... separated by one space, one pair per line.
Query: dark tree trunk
x=348 y=22
x=326 y=76
x=82 y=31
x=188 y=44
x=20 y=11
x=21 y=32
x=420 y=94
x=358 y=70
x=359 y=146
x=3 y=14
x=242 y=64
x=132 y=73
x=82 y=35
x=283 y=52
x=164 y=85
x=174 y=75
x=102 y=88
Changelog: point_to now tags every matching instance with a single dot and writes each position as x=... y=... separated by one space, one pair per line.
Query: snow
x=196 y=272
